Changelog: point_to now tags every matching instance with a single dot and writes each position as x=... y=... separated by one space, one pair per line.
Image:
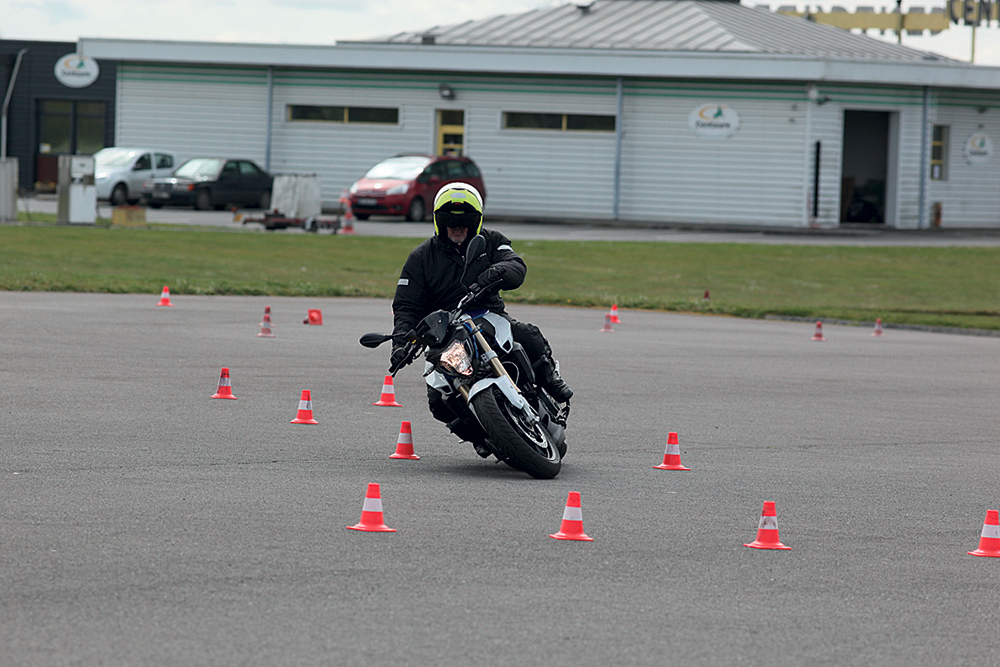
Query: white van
x=119 y=172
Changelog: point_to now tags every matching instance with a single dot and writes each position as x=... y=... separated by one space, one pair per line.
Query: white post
x=8 y=189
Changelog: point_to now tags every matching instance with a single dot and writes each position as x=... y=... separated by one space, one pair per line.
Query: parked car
x=406 y=184
x=119 y=172
x=206 y=182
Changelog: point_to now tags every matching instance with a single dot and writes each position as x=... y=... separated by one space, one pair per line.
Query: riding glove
x=397 y=356
x=491 y=275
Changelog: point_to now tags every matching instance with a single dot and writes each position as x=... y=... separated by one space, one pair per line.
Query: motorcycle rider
x=430 y=281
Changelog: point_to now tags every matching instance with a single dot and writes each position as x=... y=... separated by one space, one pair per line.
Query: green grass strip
x=941 y=286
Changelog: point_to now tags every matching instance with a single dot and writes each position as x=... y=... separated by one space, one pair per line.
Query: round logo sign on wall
x=978 y=148
x=714 y=121
x=77 y=71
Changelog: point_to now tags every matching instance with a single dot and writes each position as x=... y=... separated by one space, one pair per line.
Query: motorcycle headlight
x=455 y=360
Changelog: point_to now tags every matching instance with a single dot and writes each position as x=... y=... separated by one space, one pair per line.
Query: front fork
x=490 y=356
x=503 y=380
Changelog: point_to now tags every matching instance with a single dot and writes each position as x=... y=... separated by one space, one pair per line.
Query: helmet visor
x=458 y=215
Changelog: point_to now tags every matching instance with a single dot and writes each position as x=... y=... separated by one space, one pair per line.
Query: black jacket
x=430 y=278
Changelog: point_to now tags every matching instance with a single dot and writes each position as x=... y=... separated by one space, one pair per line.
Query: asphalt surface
x=578 y=230
x=144 y=523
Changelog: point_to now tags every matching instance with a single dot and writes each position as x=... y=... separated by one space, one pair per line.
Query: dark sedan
x=207 y=183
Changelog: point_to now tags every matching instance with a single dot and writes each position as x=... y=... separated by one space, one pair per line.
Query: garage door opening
x=863 y=191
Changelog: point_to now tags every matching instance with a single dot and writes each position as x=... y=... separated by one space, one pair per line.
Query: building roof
x=662 y=25
x=676 y=39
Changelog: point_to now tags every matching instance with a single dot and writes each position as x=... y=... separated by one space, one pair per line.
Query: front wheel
x=119 y=196
x=417 y=210
x=524 y=446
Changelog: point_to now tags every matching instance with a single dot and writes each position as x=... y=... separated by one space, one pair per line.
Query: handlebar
x=414 y=343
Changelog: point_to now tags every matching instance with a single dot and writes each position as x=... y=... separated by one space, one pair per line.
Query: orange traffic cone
x=371 y=513
x=706 y=298
x=819 y=333
x=607 y=324
x=165 y=297
x=348 y=226
x=572 y=521
x=315 y=316
x=225 y=386
x=989 y=541
x=404 y=444
x=767 y=529
x=878 y=333
x=388 y=398
x=265 y=326
x=614 y=314
x=305 y=414
x=672 y=456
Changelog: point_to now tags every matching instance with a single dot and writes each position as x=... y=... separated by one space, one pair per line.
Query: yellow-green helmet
x=458 y=205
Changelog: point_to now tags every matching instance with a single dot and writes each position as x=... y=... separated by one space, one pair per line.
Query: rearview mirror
x=374 y=339
x=476 y=246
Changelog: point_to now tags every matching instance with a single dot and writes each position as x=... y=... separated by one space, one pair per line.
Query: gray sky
x=326 y=21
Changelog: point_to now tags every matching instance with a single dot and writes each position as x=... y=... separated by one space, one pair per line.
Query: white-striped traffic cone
x=819 y=333
x=572 y=521
x=305 y=413
x=404 y=443
x=265 y=326
x=767 y=529
x=371 y=513
x=672 y=455
x=225 y=389
x=989 y=540
x=878 y=333
x=165 y=297
x=388 y=394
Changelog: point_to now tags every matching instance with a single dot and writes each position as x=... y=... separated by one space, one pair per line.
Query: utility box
x=77 y=191
x=8 y=189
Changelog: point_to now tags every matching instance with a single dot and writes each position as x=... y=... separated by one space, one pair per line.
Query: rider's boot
x=474 y=435
x=551 y=381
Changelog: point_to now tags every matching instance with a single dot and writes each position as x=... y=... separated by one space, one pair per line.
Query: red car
x=406 y=185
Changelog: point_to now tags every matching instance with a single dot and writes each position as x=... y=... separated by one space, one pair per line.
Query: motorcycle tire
x=524 y=447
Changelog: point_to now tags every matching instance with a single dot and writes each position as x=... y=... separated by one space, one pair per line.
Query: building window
x=939 y=153
x=566 y=122
x=71 y=127
x=328 y=114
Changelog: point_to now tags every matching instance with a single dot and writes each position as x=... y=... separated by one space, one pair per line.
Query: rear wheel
x=417 y=210
x=524 y=446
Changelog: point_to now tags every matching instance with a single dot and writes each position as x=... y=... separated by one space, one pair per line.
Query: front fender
x=506 y=386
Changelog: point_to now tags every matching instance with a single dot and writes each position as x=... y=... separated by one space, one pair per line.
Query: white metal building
x=675 y=111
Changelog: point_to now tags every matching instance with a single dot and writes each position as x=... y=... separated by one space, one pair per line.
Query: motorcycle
x=473 y=361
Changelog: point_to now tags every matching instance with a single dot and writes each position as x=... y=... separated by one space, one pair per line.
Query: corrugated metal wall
x=195 y=111
x=542 y=173
x=755 y=176
x=970 y=196
x=340 y=153
x=761 y=175
x=527 y=172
